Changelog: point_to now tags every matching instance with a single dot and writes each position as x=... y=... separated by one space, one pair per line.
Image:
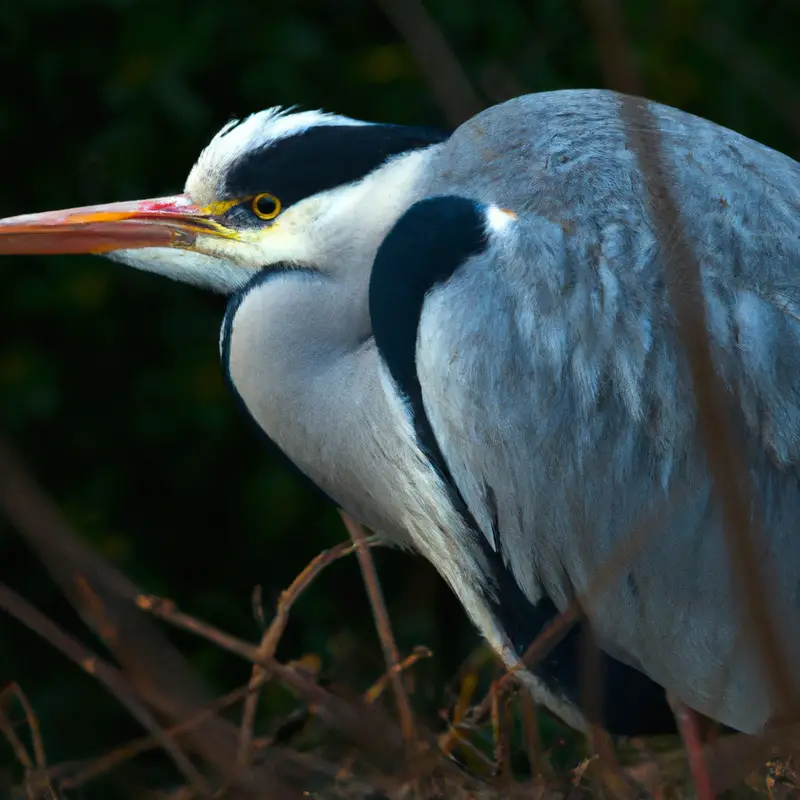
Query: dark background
x=110 y=383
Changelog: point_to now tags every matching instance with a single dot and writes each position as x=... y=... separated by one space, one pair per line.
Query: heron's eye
x=266 y=206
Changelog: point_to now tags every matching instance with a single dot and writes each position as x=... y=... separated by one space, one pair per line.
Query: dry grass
x=346 y=745
x=357 y=761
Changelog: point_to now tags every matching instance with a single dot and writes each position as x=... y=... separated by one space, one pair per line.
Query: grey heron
x=464 y=340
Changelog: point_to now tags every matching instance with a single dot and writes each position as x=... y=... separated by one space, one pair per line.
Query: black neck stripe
x=256 y=283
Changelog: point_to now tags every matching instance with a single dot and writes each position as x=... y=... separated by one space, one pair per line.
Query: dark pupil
x=265 y=205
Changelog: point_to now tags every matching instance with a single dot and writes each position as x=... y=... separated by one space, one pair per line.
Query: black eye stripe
x=321 y=158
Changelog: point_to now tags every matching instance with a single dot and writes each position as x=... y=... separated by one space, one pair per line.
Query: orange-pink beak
x=160 y=222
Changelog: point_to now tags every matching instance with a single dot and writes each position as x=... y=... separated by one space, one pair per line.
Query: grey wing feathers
x=558 y=393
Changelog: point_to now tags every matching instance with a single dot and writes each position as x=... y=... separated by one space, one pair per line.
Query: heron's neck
x=289 y=350
x=328 y=404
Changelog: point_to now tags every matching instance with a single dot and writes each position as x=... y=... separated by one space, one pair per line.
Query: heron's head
x=276 y=188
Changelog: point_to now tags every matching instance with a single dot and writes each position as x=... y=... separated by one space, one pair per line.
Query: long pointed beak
x=160 y=222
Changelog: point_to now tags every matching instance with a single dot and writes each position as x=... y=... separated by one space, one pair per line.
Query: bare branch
x=685 y=291
x=273 y=634
x=373 y=731
x=615 y=53
x=384 y=627
x=105 y=599
x=377 y=688
x=533 y=742
x=130 y=750
x=449 y=83
x=725 y=458
x=15 y=690
x=109 y=676
x=20 y=753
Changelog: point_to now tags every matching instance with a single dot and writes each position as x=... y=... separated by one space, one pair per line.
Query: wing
x=556 y=392
x=424 y=250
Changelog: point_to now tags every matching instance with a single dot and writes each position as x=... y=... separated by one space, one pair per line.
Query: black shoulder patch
x=423 y=249
x=321 y=158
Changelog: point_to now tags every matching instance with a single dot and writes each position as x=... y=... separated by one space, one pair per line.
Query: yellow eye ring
x=266 y=206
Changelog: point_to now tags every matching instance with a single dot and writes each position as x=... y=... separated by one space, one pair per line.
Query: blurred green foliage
x=109 y=379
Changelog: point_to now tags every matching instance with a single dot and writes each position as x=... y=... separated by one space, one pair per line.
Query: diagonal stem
x=447 y=79
x=272 y=635
x=384 y=628
x=109 y=676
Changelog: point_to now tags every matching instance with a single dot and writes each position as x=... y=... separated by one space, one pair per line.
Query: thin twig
x=500 y=733
x=610 y=774
x=684 y=285
x=608 y=769
x=617 y=61
x=453 y=735
x=744 y=539
x=538 y=649
x=459 y=728
x=533 y=742
x=377 y=688
x=109 y=676
x=272 y=636
x=20 y=753
x=625 y=552
x=105 y=600
x=612 y=777
x=135 y=748
x=381 y=616
x=476 y=755
x=685 y=292
x=592 y=696
x=447 y=79
x=496 y=694
x=33 y=725
x=374 y=732
x=35 y=779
